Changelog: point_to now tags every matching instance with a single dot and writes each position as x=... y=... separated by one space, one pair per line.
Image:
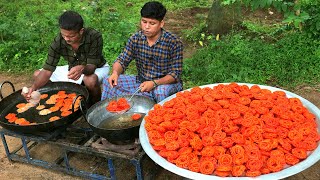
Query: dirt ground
x=176 y=22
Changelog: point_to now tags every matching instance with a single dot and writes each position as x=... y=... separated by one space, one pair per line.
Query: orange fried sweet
x=60 y=101
x=22 y=121
x=136 y=116
x=43 y=96
x=118 y=105
x=54 y=108
x=11 y=117
x=21 y=105
x=65 y=113
x=54 y=118
x=40 y=107
x=45 y=112
x=23 y=109
x=232 y=130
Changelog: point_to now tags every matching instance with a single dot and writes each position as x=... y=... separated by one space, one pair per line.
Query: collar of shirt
x=161 y=38
x=64 y=42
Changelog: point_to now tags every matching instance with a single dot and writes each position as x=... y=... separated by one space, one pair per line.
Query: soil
x=175 y=23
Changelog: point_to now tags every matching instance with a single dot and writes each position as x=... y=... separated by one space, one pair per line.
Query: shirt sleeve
x=95 y=51
x=177 y=58
x=53 y=55
x=127 y=55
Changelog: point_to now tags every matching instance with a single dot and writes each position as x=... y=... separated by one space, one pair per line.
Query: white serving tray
x=292 y=170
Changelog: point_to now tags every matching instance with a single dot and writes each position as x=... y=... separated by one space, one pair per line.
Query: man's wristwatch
x=154 y=84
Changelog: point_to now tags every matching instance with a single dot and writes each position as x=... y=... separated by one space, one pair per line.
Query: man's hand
x=76 y=72
x=113 y=79
x=116 y=71
x=26 y=93
x=147 y=86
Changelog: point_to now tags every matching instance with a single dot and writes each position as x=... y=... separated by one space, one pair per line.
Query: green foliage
x=312 y=25
x=179 y=4
x=259 y=53
x=27 y=27
x=241 y=58
x=194 y=34
x=300 y=15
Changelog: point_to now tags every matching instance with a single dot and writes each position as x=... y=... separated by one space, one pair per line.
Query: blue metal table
x=62 y=163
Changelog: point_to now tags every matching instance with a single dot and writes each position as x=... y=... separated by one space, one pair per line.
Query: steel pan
x=8 y=105
x=313 y=157
x=98 y=114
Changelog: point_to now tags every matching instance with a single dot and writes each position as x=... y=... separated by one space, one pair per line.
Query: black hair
x=153 y=10
x=71 y=20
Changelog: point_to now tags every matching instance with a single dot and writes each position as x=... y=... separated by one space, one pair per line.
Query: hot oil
x=32 y=114
x=121 y=121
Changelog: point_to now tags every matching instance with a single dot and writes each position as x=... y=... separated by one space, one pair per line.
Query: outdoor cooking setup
x=78 y=133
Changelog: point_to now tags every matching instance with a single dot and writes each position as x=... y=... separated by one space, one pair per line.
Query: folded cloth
x=61 y=74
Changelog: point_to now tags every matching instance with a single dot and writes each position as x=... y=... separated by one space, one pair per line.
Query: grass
x=27 y=27
x=289 y=60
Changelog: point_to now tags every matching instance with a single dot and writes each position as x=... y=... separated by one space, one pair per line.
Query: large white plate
x=312 y=158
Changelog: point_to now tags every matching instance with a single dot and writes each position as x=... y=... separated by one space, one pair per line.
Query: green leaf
x=284 y=7
x=297 y=22
x=269 y=2
x=255 y=5
x=304 y=16
x=318 y=25
x=263 y=3
x=297 y=7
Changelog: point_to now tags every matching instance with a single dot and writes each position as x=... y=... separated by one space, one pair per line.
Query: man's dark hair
x=153 y=10
x=71 y=20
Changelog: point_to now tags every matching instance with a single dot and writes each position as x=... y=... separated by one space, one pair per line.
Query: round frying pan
x=8 y=105
x=122 y=131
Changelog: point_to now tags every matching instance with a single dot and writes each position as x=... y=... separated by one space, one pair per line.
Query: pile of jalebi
x=232 y=130
x=118 y=105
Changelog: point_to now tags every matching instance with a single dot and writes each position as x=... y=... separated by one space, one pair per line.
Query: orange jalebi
x=232 y=130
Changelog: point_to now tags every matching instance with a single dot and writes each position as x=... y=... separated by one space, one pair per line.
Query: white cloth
x=61 y=74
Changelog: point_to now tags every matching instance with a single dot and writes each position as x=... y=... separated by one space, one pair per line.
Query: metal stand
x=30 y=141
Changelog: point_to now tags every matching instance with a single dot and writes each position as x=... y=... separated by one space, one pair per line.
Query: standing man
x=82 y=48
x=158 y=55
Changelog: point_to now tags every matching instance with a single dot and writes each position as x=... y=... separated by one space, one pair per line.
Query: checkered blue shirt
x=163 y=58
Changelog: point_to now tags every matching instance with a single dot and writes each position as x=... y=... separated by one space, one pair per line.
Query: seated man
x=82 y=48
x=158 y=55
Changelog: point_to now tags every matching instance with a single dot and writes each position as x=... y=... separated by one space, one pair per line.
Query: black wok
x=8 y=105
x=121 y=132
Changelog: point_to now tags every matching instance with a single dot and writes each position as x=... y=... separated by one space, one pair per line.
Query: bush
x=27 y=27
x=241 y=58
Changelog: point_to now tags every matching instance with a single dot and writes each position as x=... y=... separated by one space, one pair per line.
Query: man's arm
x=150 y=85
x=168 y=79
x=76 y=71
x=122 y=62
x=94 y=57
x=116 y=71
x=40 y=80
x=177 y=59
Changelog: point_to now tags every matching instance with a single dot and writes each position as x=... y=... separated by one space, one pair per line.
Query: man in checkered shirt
x=158 y=56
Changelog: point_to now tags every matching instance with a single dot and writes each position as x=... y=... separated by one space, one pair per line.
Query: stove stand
x=130 y=149
x=89 y=144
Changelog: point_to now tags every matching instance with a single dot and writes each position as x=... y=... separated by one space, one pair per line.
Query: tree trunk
x=222 y=19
